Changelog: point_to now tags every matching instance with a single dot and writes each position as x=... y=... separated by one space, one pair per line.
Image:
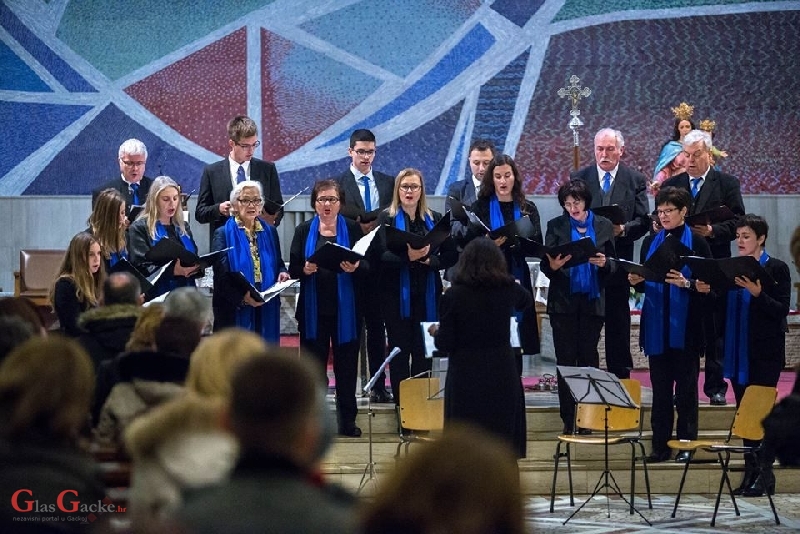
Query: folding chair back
x=620 y=419
x=421 y=406
x=756 y=404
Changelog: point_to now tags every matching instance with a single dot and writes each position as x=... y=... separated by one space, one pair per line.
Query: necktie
x=367 y=195
x=135 y=194
x=606 y=182
x=240 y=176
x=696 y=186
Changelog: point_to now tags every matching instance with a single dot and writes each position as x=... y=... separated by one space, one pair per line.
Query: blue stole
x=114 y=257
x=172 y=282
x=583 y=278
x=654 y=306
x=405 y=278
x=737 y=333
x=346 y=306
x=496 y=221
x=241 y=260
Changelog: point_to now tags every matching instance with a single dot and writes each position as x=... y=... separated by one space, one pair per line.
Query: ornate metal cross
x=574 y=92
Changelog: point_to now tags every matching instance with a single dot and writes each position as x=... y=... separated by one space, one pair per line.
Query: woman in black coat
x=576 y=297
x=500 y=202
x=410 y=281
x=483 y=386
x=671 y=331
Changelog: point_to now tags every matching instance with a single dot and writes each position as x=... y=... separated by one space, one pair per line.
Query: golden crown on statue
x=708 y=125
x=683 y=111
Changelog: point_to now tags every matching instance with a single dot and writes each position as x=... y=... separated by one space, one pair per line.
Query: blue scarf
x=654 y=306
x=583 y=278
x=114 y=257
x=346 y=309
x=405 y=278
x=241 y=260
x=515 y=265
x=737 y=333
x=171 y=282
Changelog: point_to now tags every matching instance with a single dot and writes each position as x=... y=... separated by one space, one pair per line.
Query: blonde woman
x=162 y=218
x=78 y=285
x=107 y=224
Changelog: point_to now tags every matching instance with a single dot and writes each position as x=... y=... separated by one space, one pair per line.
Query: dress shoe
x=718 y=399
x=683 y=457
x=750 y=474
x=381 y=396
x=658 y=457
x=765 y=483
x=584 y=431
x=350 y=432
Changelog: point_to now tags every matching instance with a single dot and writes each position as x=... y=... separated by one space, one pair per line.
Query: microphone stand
x=369 y=470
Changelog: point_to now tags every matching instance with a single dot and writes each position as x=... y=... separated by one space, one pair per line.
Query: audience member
x=132 y=184
x=45 y=391
x=107 y=224
x=276 y=414
x=24 y=309
x=213 y=202
x=216 y=358
x=14 y=331
x=191 y=304
x=78 y=284
x=107 y=328
x=465 y=482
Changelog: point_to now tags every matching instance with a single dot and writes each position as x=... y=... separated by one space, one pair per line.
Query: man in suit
x=216 y=184
x=132 y=183
x=365 y=190
x=710 y=189
x=610 y=182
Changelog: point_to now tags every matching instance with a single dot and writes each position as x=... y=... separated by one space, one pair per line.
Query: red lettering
x=15 y=500
x=60 y=501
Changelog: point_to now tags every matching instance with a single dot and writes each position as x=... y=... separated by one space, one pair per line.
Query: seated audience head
x=25 y=310
x=177 y=336
x=82 y=264
x=482 y=264
x=189 y=303
x=217 y=357
x=122 y=288
x=108 y=221
x=132 y=159
x=14 y=331
x=46 y=388
x=467 y=482
x=143 y=337
x=275 y=407
x=502 y=178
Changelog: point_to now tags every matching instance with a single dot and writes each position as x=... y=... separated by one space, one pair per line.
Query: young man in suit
x=365 y=190
x=710 y=189
x=611 y=182
x=216 y=184
x=132 y=183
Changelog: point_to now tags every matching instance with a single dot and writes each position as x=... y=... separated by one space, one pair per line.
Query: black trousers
x=619 y=361
x=714 y=371
x=575 y=338
x=345 y=366
x=674 y=372
x=407 y=335
x=375 y=330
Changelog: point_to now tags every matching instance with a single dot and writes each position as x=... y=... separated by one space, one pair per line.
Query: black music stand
x=589 y=385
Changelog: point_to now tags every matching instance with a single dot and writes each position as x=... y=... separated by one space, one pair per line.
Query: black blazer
x=559 y=296
x=718 y=188
x=463 y=191
x=629 y=191
x=122 y=186
x=352 y=195
x=216 y=187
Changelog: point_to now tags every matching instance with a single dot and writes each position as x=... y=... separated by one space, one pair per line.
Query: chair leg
x=680 y=489
x=569 y=472
x=633 y=475
x=774 y=511
x=557 y=459
x=646 y=476
x=722 y=481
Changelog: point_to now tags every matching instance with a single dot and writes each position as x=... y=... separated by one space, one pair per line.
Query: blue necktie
x=367 y=196
x=240 y=176
x=695 y=186
x=135 y=194
x=606 y=182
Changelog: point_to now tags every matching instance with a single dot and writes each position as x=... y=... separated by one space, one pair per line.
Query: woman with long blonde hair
x=107 y=224
x=79 y=282
x=162 y=218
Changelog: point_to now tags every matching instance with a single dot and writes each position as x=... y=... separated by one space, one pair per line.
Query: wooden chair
x=756 y=404
x=624 y=427
x=37 y=272
x=421 y=411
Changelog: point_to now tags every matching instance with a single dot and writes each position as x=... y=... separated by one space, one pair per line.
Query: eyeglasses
x=667 y=211
x=249 y=147
x=133 y=164
x=410 y=188
x=576 y=204
x=327 y=200
x=251 y=201
x=365 y=153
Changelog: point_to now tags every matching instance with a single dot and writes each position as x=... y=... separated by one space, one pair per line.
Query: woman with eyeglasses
x=410 y=282
x=79 y=283
x=500 y=202
x=576 y=297
x=672 y=327
x=256 y=254
x=162 y=218
x=327 y=308
x=108 y=223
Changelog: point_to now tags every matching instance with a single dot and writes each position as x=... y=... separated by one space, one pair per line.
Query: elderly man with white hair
x=131 y=182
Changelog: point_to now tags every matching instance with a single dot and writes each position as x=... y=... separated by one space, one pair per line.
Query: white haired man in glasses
x=132 y=184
